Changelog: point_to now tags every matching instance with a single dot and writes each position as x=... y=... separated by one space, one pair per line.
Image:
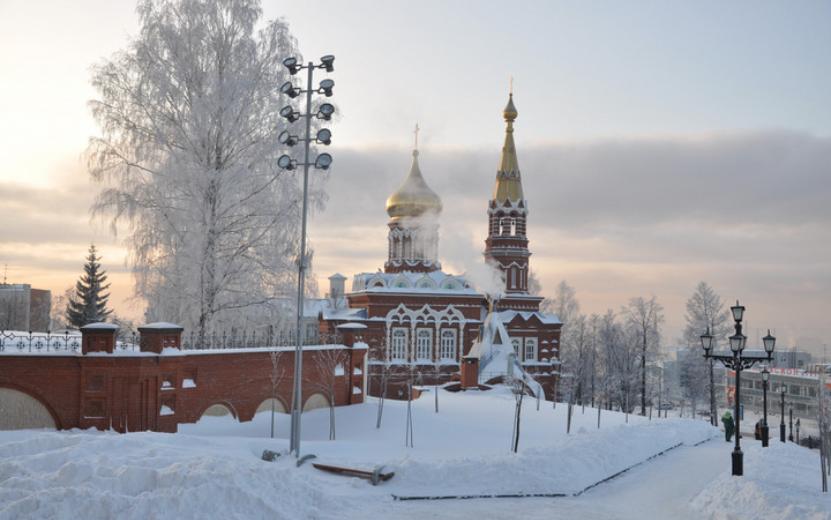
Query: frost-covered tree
x=705 y=309
x=88 y=304
x=187 y=157
x=643 y=319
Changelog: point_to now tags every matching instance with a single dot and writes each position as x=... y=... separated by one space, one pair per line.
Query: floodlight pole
x=297 y=400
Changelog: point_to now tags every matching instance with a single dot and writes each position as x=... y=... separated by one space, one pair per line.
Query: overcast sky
x=660 y=143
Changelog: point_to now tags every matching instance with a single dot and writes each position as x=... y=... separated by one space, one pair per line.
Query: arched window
x=506 y=225
x=513 y=278
x=398 y=350
x=424 y=344
x=448 y=344
x=530 y=349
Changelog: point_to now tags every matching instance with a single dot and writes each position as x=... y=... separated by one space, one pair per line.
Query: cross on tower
x=416 y=135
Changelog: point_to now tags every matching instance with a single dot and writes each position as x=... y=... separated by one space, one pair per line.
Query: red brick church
x=423 y=324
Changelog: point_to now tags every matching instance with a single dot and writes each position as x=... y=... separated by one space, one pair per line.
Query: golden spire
x=413 y=198
x=508 y=183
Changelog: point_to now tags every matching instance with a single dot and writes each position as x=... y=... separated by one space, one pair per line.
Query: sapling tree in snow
x=643 y=319
x=187 y=159
x=329 y=370
x=278 y=373
x=88 y=304
x=517 y=387
x=385 y=374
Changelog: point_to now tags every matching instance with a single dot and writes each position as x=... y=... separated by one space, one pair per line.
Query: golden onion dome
x=413 y=198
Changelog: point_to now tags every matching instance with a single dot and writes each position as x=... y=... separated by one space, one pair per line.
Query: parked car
x=666 y=406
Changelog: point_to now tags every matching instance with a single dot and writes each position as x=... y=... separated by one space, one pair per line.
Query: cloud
x=748 y=213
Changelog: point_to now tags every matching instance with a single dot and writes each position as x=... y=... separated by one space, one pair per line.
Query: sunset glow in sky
x=660 y=143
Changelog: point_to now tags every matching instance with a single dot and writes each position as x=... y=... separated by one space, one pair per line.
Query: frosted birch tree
x=187 y=160
x=643 y=319
x=705 y=309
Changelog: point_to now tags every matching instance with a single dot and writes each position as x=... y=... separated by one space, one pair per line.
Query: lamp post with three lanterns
x=322 y=162
x=737 y=361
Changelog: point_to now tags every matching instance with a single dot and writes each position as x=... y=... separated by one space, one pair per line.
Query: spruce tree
x=89 y=303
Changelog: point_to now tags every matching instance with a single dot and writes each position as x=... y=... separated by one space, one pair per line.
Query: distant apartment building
x=24 y=308
x=793 y=359
x=801 y=389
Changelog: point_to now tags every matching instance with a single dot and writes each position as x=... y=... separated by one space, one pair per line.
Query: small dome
x=413 y=198
x=510 y=112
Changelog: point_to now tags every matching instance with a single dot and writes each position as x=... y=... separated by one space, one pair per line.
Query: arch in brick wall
x=22 y=409
x=265 y=406
x=220 y=409
x=315 y=401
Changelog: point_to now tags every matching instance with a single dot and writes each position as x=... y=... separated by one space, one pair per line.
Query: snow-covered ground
x=213 y=469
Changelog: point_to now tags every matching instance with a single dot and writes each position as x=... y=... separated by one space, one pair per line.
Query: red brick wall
x=127 y=392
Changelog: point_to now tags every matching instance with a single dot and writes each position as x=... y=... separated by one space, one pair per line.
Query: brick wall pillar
x=352 y=334
x=156 y=337
x=98 y=337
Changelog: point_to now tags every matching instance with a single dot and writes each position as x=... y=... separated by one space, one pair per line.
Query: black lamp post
x=782 y=414
x=765 y=429
x=737 y=361
x=790 y=423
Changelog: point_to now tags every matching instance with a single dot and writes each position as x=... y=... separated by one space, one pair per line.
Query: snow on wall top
x=100 y=326
x=161 y=325
x=351 y=325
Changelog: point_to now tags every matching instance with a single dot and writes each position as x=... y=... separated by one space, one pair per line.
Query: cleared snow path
x=660 y=488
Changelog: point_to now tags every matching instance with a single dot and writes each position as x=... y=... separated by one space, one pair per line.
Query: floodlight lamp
x=325 y=111
x=291 y=64
x=286 y=138
x=327 y=62
x=326 y=87
x=324 y=136
x=323 y=161
x=285 y=162
x=289 y=113
x=738 y=311
x=288 y=89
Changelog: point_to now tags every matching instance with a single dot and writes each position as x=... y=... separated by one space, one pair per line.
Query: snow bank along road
x=214 y=469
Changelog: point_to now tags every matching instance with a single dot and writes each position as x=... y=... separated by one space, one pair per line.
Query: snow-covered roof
x=545 y=318
x=434 y=282
x=496 y=354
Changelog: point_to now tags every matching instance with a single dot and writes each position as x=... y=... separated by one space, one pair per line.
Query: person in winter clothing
x=727 y=420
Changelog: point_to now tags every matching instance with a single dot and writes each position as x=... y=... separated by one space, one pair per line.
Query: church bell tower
x=507 y=245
